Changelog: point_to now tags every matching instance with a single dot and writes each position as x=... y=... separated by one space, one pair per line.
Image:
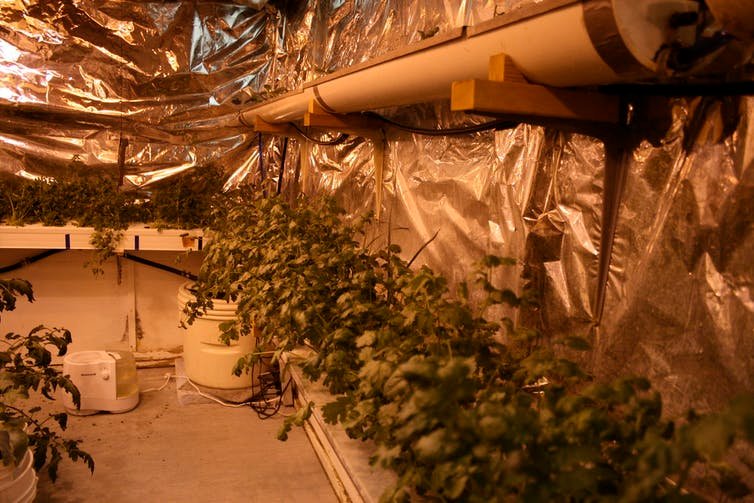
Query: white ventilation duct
x=558 y=43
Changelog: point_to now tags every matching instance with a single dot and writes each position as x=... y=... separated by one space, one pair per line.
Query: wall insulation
x=164 y=82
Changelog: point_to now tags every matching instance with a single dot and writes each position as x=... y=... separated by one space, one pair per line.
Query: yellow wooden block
x=511 y=98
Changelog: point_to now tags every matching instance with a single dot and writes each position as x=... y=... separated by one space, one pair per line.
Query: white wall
x=130 y=306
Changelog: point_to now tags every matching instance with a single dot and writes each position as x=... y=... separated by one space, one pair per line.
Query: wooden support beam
x=280 y=129
x=512 y=98
x=503 y=69
x=315 y=108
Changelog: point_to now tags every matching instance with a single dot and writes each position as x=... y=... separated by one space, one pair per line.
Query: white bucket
x=18 y=484
x=209 y=361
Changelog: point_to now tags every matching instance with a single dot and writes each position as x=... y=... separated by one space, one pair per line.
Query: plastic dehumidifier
x=105 y=379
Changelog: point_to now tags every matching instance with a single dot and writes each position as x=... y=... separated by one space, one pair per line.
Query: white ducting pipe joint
x=562 y=43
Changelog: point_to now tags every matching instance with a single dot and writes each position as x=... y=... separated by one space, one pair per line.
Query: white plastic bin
x=208 y=361
x=18 y=484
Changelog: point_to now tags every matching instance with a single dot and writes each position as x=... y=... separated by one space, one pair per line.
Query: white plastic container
x=18 y=484
x=106 y=380
x=209 y=361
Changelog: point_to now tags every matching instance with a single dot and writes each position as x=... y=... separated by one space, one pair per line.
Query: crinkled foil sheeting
x=157 y=81
x=146 y=90
x=348 y=32
x=679 y=307
x=168 y=78
x=563 y=220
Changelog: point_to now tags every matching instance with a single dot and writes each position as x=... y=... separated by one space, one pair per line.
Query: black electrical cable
x=475 y=128
x=269 y=400
x=282 y=164
x=261 y=154
x=157 y=265
x=29 y=260
x=335 y=141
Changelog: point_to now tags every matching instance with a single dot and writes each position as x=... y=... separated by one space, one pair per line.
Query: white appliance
x=105 y=379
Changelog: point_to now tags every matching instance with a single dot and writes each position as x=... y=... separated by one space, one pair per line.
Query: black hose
x=335 y=141
x=475 y=128
x=29 y=260
x=157 y=265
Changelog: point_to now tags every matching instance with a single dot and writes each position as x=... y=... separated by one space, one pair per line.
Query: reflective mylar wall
x=680 y=307
x=80 y=79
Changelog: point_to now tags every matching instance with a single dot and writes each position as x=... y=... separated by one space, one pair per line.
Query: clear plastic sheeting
x=679 y=308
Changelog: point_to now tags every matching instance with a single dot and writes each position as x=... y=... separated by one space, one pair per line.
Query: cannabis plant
x=25 y=365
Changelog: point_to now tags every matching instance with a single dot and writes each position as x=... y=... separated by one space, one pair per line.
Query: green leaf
x=577 y=343
x=712 y=436
x=367 y=338
x=430 y=447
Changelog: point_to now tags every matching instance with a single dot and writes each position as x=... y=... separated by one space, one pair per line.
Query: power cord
x=270 y=398
x=335 y=141
x=265 y=403
x=474 y=128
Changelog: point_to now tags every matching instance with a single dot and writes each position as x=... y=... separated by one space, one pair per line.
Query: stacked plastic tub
x=207 y=360
x=18 y=484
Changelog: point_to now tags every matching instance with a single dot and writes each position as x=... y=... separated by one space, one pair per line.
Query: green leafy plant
x=185 y=201
x=283 y=263
x=463 y=414
x=95 y=200
x=105 y=242
x=460 y=406
x=26 y=365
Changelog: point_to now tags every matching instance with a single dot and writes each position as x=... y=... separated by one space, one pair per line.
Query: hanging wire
x=462 y=130
x=260 y=144
x=282 y=164
x=335 y=141
x=475 y=128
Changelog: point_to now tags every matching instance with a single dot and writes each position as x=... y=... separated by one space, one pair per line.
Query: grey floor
x=166 y=452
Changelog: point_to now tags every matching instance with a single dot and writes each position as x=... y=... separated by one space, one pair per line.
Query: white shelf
x=70 y=237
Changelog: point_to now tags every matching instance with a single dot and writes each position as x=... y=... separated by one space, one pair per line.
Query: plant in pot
x=208 y=305
x=26 y=439
x=282 y=263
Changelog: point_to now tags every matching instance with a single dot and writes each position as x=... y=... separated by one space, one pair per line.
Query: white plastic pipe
x=544 y=48
x=562 y=43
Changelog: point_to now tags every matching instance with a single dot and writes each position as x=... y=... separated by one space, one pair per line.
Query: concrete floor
x=166 y=452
